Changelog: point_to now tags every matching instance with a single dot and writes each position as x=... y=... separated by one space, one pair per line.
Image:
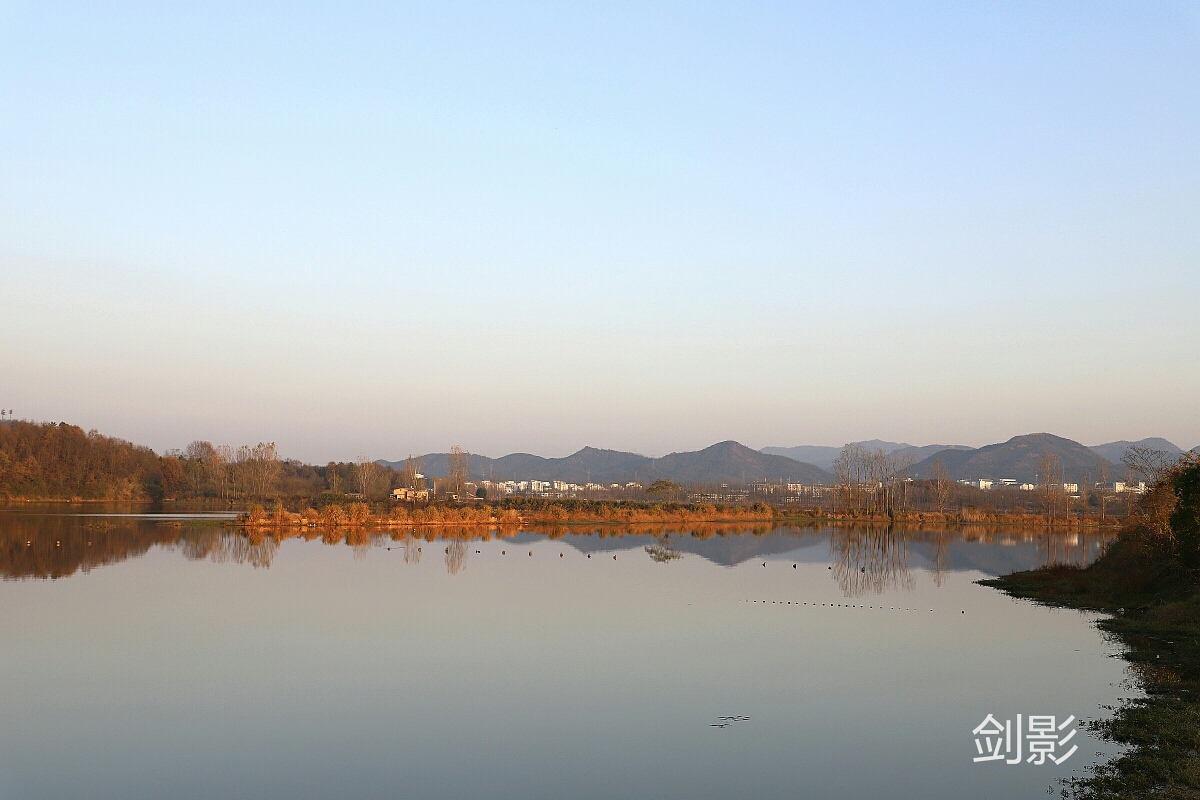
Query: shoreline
x=1159 y=633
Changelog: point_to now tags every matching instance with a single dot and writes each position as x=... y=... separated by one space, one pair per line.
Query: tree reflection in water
x=412 y=550
x=866 y=559
x=870 y=560
x=456 y=556
x=941 y=559
x=663 y=550
x=222 y=547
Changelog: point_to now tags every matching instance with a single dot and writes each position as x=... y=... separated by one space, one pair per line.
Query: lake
x=151 y=657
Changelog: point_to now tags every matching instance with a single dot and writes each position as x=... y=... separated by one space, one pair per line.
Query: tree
x=939 y=478
x=1185 y=518
x=366 y=475
x=174 y=478
x=261 y=468
x=851 y=469
x=1152 y=465
x=1051 y=484
x=332 y=478
x=664 y=490
x=459 y=462
x=1103 y=488
x=412 y=474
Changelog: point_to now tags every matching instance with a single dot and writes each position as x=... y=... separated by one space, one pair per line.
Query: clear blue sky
x=376 y=229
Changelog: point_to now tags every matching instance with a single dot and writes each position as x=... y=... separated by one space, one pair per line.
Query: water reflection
x=456 y=556
x=863 y=559
x=870 y=560
x=412 y=550
x=221 y=548
x=663 y=550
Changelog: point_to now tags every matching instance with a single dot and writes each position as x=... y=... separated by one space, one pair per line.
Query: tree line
x=58 y=461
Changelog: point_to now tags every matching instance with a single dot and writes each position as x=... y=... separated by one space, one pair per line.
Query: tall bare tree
x=366 y=475
x=939 y=478
x=460 y=464
x=1103 y=487
x=853 y=471
x=1050 y=485
x=262 y=468
x=413 y=472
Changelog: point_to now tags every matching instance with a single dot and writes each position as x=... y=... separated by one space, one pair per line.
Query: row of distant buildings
x=1119 y=487
x=785 y=491
x=559 y=488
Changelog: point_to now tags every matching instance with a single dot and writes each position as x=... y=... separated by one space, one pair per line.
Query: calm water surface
x=150 y=658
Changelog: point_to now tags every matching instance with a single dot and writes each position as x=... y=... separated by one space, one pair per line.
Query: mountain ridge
x=723 y=462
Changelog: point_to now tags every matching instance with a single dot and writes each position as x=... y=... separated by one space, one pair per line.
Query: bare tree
x=1103 y=488
x=459 y=462
x=1152 y=465
x=1050 y=487
x=262 y=468
x=413 y=472
x=939 y=477
x=852 y=469
x=366 y=475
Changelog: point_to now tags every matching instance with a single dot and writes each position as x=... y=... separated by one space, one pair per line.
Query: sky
x=376 y=229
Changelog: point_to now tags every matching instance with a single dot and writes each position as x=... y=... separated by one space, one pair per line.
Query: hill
x=1114 y=450
x=824 y=457
x=588 y=464
x=727 y=462
x=1017 y=458
x=730 y=462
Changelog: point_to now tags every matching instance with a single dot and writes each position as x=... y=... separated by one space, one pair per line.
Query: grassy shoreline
x=1156 y=620
x=599 y=512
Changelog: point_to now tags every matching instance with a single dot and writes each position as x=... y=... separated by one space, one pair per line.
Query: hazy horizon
x=375 y=229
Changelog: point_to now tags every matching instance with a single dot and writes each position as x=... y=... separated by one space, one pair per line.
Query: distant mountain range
x=1017 y=458
x=1114 y=450
x=731 y=462
x=726 y=462
x=824 y=457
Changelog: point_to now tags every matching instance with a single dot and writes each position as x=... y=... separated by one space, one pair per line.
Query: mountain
x=1017 y=458
x=1114 y=450
x=727 y=462
x=925 y=451
x=824 y=457
x=588 y=464
x=730 y=462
